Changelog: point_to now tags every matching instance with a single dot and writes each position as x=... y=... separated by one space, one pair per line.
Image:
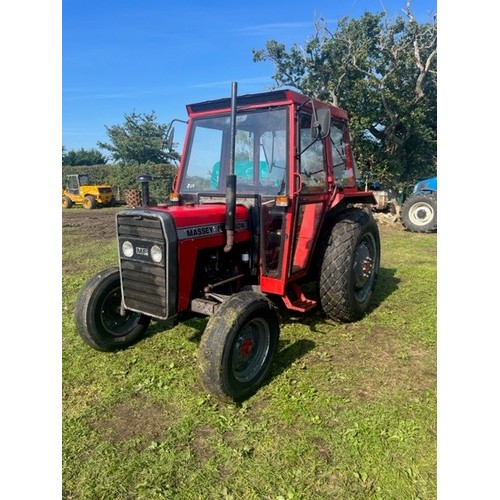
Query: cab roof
x=275 y=97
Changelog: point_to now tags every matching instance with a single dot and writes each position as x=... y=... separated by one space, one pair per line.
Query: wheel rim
x=111 y=319
x=364 y=267
x=421 y=214
x=250 y=350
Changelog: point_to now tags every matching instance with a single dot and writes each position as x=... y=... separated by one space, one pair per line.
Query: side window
x=73 y=183
x=273 y=148
x=312 y=160
x=342 y=173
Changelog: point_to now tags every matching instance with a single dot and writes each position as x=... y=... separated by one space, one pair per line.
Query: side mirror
x=169 y=141
x=320 y=127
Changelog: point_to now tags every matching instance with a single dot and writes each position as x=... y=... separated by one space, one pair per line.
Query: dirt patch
x=201 y=443
x=136 y=418
x=99 y=223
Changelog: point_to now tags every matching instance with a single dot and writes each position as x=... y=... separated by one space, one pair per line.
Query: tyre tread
x=338 y=246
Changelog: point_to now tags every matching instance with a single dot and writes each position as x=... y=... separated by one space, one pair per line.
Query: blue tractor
x=419 y=211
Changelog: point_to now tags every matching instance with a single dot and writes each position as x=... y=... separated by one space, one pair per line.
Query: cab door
x=312 y=194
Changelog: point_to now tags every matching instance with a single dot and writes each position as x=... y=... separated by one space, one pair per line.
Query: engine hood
x=204 y=220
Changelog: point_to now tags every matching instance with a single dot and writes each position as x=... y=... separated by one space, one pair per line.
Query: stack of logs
x=133 y=198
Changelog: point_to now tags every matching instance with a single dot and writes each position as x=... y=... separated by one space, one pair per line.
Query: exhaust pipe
x=231 y=177
x=144 y=180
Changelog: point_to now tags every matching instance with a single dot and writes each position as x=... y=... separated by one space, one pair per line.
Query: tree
x=139 y=140
x=384 y=73
x=82 y=156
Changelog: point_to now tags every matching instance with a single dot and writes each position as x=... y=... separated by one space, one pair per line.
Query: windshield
x=260 y=153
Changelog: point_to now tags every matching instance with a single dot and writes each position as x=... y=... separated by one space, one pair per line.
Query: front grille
x=144 y=288
x=145 y=284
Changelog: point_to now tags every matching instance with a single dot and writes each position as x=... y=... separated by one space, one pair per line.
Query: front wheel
x=350 y=262
x=89 y=202
x=67 y=202
x=419 y=213
x=98 y=314
x=238 y=346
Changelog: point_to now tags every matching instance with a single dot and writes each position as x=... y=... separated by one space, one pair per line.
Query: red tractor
x=265 y=201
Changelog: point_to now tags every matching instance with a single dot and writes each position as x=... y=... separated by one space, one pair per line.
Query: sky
x=120 y=56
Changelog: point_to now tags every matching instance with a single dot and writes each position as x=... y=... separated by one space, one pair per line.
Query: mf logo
x=141 y=251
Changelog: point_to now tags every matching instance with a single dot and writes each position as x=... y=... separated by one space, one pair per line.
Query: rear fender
x=426 y=186
x=342 y=198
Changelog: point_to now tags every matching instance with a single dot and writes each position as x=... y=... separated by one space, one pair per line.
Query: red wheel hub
x=246 y=348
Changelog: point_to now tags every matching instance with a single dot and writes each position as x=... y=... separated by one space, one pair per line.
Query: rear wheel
x=67 y=202
x=89 y=202
x=350 y=261
x=419 y=213
x=238 y=346
x=98 y=318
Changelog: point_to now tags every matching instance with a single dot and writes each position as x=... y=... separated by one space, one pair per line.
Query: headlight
x=156 y=254
x=127 y=249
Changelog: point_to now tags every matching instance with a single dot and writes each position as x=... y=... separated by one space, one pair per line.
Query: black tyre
x=238 y=346
x=349 y=265
x=97 y=314
x=67 y=202
x=419 y=213
x=89 y=202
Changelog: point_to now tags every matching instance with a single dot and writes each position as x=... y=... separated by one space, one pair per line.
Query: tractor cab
x=292 y=161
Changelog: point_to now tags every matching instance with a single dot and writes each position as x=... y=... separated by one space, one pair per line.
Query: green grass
x=349 y=411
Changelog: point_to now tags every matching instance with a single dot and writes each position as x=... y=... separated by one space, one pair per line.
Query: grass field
x=349 y=411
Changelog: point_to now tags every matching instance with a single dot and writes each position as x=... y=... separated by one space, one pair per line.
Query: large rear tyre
x=98 y=318
x=89 y=202
x=238 y=346
x=419 y=213
x=350 y=262
x=67 y=202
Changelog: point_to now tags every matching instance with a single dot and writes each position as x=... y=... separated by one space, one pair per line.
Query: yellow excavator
x=79 y=191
